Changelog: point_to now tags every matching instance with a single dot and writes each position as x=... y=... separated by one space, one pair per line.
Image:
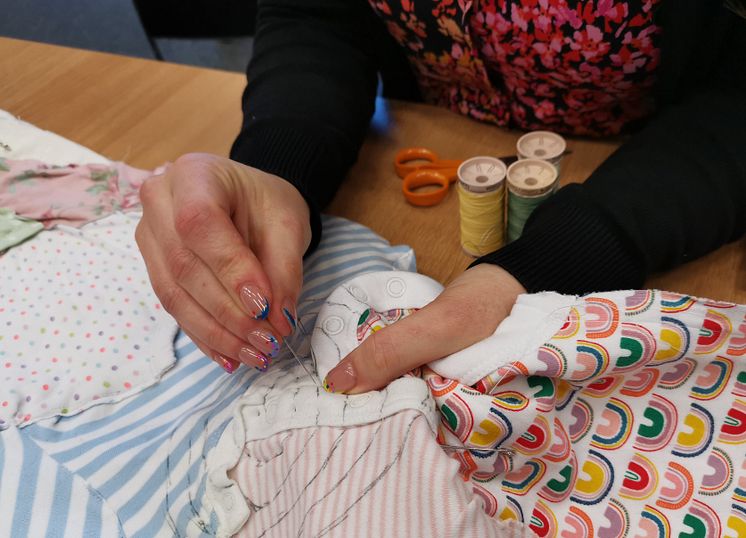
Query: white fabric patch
x=21 y=140
x=335 y=334
x=79 y=322
x=532 y=321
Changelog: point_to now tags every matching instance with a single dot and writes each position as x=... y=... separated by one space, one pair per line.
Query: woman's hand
x=223 y=244
x=468 y=310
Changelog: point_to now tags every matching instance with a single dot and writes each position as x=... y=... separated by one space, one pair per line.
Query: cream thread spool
x=530 y=182
x=544 y=145
x=481 y=193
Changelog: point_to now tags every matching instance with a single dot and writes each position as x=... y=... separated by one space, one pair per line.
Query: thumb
x=422 y=337
x=467 y=311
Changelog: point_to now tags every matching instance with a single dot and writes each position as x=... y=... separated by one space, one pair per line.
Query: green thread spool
x=530 y=182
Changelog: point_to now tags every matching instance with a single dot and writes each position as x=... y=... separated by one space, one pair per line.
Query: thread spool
x=530 y=182
x=543 y=145
x=481 y=193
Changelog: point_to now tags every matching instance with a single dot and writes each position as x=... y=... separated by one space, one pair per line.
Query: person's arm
x=310 y=95
x=223 y=242
x=674 y=192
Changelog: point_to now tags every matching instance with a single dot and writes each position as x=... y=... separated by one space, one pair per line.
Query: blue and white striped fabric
x=137 y=467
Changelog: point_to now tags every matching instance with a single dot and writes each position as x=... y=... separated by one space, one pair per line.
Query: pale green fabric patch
x=15 y=229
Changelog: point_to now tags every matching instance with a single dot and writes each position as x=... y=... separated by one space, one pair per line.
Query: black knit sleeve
x=310 y=95
x=674 y=192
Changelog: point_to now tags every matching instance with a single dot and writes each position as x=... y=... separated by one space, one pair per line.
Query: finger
x=190 y=315
x=193 y=276
x=202 y=218
x=199 y=283
x=197 y=279
x=280 y=253
x=426 y=335
x=191 y=273
x=229 y=365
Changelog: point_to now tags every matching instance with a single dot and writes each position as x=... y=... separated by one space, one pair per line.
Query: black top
x=675 y=191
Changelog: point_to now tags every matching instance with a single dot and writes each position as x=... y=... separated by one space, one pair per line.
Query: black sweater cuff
x=289 y=151
x=570 y=246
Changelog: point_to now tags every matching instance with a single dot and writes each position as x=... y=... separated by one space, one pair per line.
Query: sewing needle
x=297 y=358
x=474 y=449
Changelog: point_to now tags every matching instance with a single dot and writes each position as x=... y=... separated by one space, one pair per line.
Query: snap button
x=396 y=287
x=358 y=294
x=333 y=325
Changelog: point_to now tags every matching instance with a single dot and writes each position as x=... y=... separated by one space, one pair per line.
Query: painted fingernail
x=341 y=379
x=256 y=303
x=229 y=365
x=264 y=342
x=264 y=366
x=251 y=357
x=288 y=313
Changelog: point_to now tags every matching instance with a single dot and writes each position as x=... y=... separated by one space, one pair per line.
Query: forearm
x=311 y=93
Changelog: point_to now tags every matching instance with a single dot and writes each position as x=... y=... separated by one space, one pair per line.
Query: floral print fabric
x=572 y=66
x=73 y=195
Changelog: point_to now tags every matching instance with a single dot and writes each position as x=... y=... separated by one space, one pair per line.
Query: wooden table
x=145 y=112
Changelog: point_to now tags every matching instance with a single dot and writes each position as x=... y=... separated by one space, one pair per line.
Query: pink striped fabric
x=389 y=478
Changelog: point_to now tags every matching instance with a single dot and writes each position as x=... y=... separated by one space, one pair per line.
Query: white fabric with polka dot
x=79 y=322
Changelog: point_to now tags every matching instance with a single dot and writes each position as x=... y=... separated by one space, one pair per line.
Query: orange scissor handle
x=432 y=162
x=422 y=178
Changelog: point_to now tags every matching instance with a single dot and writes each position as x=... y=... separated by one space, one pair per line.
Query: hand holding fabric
x=223 y=244
x=468 y=310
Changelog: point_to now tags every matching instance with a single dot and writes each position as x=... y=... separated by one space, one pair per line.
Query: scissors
x=433 y=171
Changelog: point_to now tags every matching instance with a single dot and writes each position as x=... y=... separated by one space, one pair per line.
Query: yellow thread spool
x=481 y=194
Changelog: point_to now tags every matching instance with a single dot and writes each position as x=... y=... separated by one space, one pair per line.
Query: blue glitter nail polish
x=264 y=312
x=275 y=346
x=289 y=317
x=255 y=302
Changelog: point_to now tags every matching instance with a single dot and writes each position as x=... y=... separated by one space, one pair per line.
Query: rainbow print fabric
x=630 y=421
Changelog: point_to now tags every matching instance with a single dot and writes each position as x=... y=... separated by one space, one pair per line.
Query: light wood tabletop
x=146 y=112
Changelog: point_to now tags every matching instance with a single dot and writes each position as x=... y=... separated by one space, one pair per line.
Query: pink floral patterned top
x=583 y=67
